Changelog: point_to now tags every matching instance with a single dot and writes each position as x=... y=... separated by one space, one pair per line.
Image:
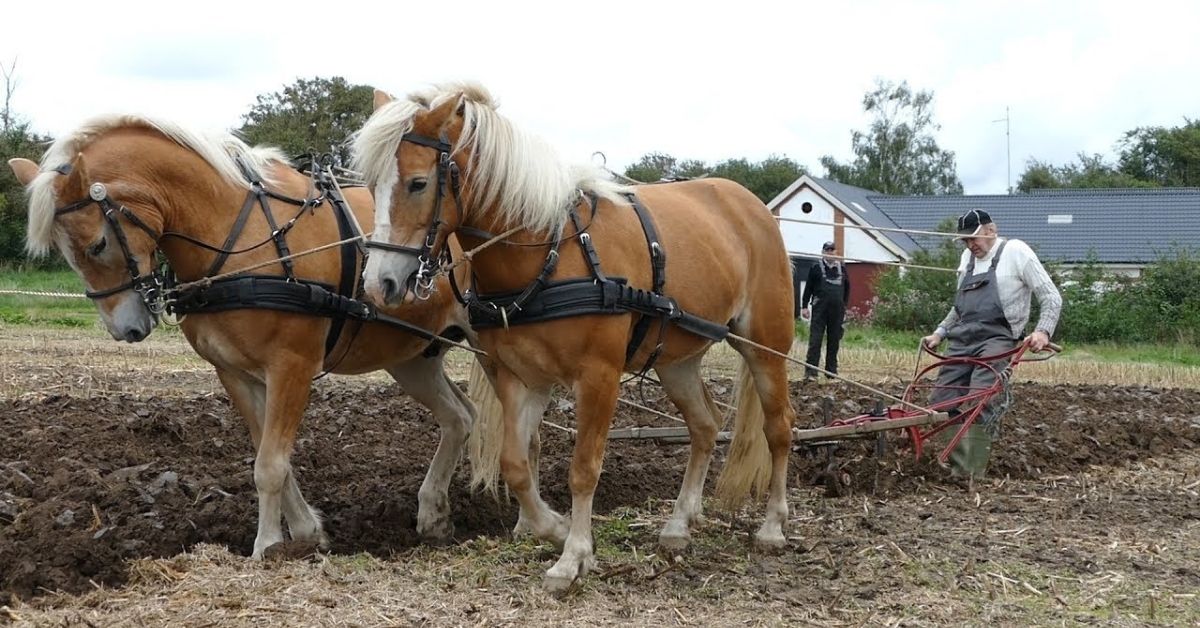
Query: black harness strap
x=277 y=234
x=268 y=292
x=234 y=233
x=658 y=264
x=347 y=284
x=544 y=300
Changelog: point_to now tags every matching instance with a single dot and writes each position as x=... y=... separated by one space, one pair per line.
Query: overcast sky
x=697 y=80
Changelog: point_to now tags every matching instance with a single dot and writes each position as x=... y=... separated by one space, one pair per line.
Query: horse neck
x=202 y=205
x=506 y=266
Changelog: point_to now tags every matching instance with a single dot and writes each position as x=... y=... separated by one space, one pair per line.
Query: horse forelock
x=220 y=150
x=374 y=146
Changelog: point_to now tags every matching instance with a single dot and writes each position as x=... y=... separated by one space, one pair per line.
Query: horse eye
x=416 y=185
x=98 y=248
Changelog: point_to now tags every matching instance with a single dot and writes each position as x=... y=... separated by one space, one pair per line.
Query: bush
x=1163 y=305
x=917 y=300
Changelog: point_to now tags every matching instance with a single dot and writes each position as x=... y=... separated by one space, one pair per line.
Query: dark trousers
x=956 y=380
x=827 y=318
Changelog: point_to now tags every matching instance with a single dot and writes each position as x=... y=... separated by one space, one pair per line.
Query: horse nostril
x=390 y=289
x=135 y=335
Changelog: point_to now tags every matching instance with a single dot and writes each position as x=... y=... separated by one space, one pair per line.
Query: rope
x=467 y=256
x=870 y=261
x=205 y=282
x=650 y=410
x=38 y=293
x=870 y=228
x=828 y=374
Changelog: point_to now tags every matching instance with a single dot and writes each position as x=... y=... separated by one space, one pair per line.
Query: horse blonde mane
x=222 y=151
x=511 y=168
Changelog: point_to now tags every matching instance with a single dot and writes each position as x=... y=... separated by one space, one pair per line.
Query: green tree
x=765 y=179
x=1162 y=156
x=898 y=154
x=1090 y=171
x=312 y=115
x=16 y=140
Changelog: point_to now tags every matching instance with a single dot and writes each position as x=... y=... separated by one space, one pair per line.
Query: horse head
x=411 y=152
x=104 y=229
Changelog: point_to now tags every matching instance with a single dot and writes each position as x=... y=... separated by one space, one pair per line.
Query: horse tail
x=487 y=432
x=747 y=468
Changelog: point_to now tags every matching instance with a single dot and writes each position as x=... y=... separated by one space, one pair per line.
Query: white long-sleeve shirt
x=1019 y=275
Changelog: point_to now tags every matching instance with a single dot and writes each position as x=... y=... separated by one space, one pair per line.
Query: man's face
x=980 y=244
x=828 y=253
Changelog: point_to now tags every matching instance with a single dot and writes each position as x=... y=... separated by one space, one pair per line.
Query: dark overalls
x=828 y=314
x=982 y=329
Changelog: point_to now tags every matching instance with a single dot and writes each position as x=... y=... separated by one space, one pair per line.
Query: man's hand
x=804 y=313
x=1037 y=341
x=932 y=340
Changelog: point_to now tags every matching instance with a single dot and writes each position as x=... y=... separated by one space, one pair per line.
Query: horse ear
x=462 y=106
x=77 y=178
x=25 y=170
x=382 y=98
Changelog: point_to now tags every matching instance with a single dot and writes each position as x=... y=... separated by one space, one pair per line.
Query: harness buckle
x=97 y=192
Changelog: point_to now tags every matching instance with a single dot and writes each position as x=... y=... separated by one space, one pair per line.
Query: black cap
x=828 y=246
x=970 y=222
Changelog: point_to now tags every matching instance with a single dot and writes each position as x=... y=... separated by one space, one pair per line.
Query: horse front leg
x=523 y=409
x=248 y=395
x=595 y=402
x=426 y=381
x=287 y=392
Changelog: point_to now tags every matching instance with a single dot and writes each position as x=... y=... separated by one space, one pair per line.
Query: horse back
x=723 y=247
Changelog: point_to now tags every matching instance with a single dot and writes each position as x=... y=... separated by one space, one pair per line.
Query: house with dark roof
x=1123 y=229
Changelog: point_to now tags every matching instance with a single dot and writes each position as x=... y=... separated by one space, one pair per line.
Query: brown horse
x=117 y=189
x=446 y=162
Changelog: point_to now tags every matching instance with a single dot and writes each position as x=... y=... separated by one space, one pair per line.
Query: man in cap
x=996 y=278
x=828 y=288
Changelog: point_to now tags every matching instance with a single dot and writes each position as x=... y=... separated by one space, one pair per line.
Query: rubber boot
x=970 y=458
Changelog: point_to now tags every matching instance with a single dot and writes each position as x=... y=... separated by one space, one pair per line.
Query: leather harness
x=270 y=292
x=545 y=300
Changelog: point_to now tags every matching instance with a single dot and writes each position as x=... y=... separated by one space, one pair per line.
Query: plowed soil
x=87 y=483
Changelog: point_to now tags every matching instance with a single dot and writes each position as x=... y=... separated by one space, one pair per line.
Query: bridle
x=150 y=287
x=428 y=260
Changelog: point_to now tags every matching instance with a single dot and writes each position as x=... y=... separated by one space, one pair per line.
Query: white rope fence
x=42 y=293
x=941 y=234
x=871 y=261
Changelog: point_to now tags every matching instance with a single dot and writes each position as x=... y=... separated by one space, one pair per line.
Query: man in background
x=828 y=289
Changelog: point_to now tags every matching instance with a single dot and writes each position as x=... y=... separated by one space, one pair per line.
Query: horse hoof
x=674 y=541
x=673 y=545
x=438 y=533
x=557 y=585
x=522 y=529
x=769 y=542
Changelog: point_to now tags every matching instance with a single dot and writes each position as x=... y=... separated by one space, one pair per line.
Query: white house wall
x=806 y=239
